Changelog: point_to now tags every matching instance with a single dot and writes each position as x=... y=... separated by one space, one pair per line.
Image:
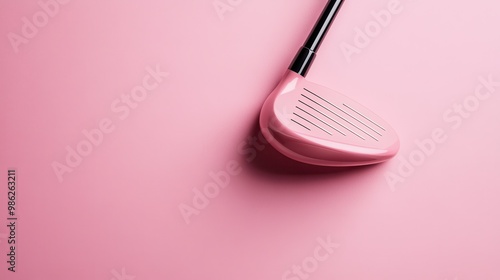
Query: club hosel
x=306 y=54
x=302 y=61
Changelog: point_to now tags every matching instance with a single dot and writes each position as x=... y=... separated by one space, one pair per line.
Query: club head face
x=315 y=125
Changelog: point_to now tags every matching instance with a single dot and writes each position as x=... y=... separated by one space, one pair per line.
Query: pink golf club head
x=316 y=125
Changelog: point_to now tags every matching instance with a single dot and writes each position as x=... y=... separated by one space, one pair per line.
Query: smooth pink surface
x=118 y=213
x=316 y=125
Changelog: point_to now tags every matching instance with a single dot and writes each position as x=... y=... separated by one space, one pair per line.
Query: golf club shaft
x=305 y=56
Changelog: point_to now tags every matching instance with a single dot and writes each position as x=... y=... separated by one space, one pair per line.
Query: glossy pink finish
x=313 y=124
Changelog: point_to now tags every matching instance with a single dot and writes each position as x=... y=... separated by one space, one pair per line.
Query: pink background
x=117 y=213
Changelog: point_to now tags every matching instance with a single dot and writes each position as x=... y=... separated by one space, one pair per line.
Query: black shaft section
x=304 y=58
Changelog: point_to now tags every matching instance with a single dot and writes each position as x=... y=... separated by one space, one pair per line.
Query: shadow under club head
x=316 y=125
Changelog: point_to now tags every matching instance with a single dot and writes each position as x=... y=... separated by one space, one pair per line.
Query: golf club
x=316 y=125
